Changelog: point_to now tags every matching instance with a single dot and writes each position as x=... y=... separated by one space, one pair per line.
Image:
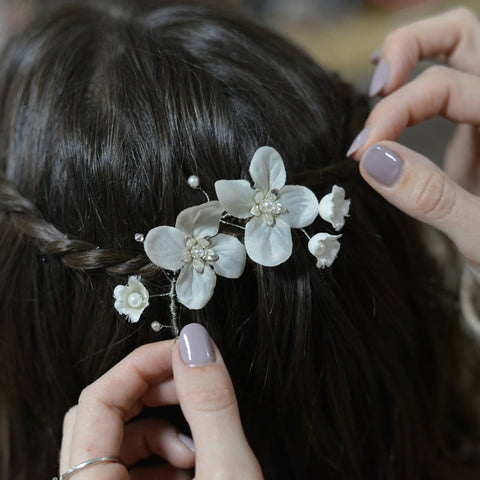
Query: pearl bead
x=210 y=256
x=197 y=251
x=190 y=243
x=139 y=237
x=266 y=206
x=156 y=326
x=255 y=211
x=135 y=300
x=193 y=181
x=258 y=197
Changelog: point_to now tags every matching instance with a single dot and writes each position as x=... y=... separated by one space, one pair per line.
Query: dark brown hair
x=356 y=371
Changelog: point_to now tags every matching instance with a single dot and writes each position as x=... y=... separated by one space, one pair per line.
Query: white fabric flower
x=333 y=207
x=325 y=247
x=272 y=207
x=195 y=247
x=131 y=299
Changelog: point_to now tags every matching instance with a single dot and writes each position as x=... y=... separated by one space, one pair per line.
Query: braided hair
x=357 y=371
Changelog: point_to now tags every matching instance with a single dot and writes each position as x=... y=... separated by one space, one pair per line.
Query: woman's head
x=104 y=113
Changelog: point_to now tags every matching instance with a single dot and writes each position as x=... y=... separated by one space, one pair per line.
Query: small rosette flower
x=195 y=247
x=333 y=207
x=325 y=248
x=131 y=299
x=271 y=207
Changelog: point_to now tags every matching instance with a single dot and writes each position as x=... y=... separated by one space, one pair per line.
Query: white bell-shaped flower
x=325 y=248
x=272 y=207
x=333 y=207
x=131 y=299
x=195 y=247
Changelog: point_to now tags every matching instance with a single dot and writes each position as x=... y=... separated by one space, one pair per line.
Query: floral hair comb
x=195 y=252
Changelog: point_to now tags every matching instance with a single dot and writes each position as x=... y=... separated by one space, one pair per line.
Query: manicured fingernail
x=375 y=56
x=195 y=345
x=382 y=164
x=380 y=78
x=188 y=441
x=358 y=141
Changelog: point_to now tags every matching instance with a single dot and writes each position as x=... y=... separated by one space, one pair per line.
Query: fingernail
x=358 y=141
x=195 y=345
x=382 y=164
x=188 y=441
x=375 y=56
x=380 y=78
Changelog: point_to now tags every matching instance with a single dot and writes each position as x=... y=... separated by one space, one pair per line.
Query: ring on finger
x=75 y=469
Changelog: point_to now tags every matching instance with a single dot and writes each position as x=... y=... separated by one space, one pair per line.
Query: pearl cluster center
x=267 y=206
x=198 y=254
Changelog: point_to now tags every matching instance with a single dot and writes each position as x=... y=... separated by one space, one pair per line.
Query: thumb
x=208 y=401
x=419 y=188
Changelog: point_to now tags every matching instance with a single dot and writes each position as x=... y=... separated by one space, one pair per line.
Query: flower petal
x=235 y=196
x=133 y=316
x=301 y=204
x=267 y=169
x=201 y=220
x=325 y=247
x=268 y=246
x=118 y=292
x=333 y=207
x=195 y=289
x=231 y=256
x=164 y=246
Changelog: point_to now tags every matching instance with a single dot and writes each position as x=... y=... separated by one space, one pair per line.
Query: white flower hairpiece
x=271 y=207
x=131 y=299
x=333 y=207
x=197 y=253
x=325 y=248
x=196 y=248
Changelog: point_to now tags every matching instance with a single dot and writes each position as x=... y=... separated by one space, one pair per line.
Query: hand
x=96 y=426
x=210 y=407
x=448 y=201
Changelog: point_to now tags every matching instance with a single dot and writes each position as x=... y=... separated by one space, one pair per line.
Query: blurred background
x=340 y=34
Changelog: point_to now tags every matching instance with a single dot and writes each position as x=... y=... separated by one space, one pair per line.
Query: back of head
x=348 y=372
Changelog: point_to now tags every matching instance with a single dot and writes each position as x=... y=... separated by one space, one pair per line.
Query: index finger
x=453 y=36
x=107 y=403
x=437 y=91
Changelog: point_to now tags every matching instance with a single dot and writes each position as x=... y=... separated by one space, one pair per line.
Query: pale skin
x=447 y=200
x=155 y=375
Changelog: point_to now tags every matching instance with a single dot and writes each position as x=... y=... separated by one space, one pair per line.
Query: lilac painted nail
x=358 y=141
x=380 y=78
x=188 y=441
x=195 y=345
x=382 y=164
x=375 y=56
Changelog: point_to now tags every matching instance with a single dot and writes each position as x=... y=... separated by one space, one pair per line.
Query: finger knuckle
x=70 y=416
x=436 y=72
x=400 y=36
x=86 y=395
x=435 y=197
x=466 y=16
x=212 y=399
x=436 y=82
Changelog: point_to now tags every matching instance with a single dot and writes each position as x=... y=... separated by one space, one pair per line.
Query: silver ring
x=72 y=470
